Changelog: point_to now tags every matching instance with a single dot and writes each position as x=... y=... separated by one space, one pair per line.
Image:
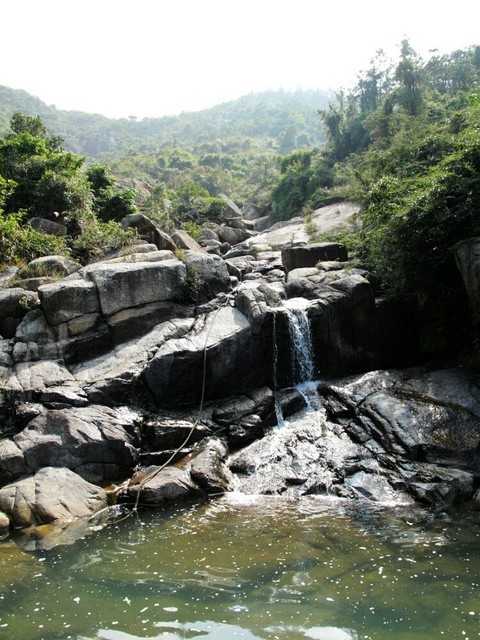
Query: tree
x=408 y=74
x=109 y=202
x=48 y=180
x=39 y=178
x=21 y=123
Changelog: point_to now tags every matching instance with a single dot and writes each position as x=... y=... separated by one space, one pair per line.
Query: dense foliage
x=405 y=144
x=231 y=148
x=38 y=178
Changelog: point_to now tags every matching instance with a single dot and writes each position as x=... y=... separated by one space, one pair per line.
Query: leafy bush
x=20 y=243
x=100 y=238
x=305 y=175
x=109 y=203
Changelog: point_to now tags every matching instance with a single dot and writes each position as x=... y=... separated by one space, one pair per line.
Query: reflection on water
x=253 y=568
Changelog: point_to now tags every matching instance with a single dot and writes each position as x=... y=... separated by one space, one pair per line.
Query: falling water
x=278 y=409
x=300 y=345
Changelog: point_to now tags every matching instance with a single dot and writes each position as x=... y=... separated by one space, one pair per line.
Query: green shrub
x=20 y=243
x=100 y=238
x=192 y=228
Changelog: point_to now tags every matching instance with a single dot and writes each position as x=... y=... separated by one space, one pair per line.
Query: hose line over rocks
x=153 y=474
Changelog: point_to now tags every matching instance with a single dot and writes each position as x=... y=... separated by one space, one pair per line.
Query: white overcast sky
x=159 y=57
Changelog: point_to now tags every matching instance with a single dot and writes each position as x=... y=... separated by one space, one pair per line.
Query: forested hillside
x=279 y=120
x=405 y=144
x=229 y=148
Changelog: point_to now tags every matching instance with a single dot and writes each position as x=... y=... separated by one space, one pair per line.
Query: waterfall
x=299 y=345
x=278 y=409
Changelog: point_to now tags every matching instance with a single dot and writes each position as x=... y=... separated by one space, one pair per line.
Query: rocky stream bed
x=162 y=376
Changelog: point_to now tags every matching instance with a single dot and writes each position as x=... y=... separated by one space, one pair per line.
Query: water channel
x=252 y=567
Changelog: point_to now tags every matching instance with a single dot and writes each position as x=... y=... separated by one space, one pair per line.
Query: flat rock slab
x=294 y=231
x=124 y=285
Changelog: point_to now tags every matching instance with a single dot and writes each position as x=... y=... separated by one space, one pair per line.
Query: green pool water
x=249 y=568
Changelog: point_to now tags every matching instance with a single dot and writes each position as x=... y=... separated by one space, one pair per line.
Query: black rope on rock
x=152 y=475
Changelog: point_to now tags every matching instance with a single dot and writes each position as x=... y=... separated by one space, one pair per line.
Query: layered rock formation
x=103 y=372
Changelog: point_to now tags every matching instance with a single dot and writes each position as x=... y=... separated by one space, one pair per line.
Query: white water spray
x=300 y=346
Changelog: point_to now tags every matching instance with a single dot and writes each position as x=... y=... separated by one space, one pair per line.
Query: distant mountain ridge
x=281 y=121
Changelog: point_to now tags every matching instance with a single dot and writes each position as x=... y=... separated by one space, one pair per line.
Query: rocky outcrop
x=429 y=416
x=221 y=352
x=206 y=277
x=186 y=242
x=98 y=443
x=398 y=436
x=49 y=495
x=67 y=299
x=425 y=425
x=208 y=469
x=125 y=285
x=58 y=266
x=14 y=305
x=160 y=486
x=101 y=370
x=149 y=231
x=467 y=257
x=296 y=257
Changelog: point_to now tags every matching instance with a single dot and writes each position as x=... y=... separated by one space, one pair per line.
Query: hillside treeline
x=404 y=144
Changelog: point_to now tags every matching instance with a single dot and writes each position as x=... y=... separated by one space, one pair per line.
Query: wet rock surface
x=101 y=372
x=386 y=436
x=51 y=494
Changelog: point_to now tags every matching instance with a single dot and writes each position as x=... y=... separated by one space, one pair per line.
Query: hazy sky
x=158 y=57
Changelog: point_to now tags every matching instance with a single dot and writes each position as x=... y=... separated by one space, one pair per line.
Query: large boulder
x=207 y=275
x=256 y=299
x=233 y=410
x=98 y=443
x=167 y=433
x=57 y=266
x=246 y=416
x=143 y=253
x=208 y=469
x=219 y=353
x=51 y=494
x=206 y=235
x=44 y=381
x=184 y=241
x=124 y=285
x=148 y=230
x=158 y=486
x=295 y=257
x=43 y=225
x=67 y=299
x=14 y=305
x=427 y=416
x=112 y=378
x=231 y=235
x=80 y=338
